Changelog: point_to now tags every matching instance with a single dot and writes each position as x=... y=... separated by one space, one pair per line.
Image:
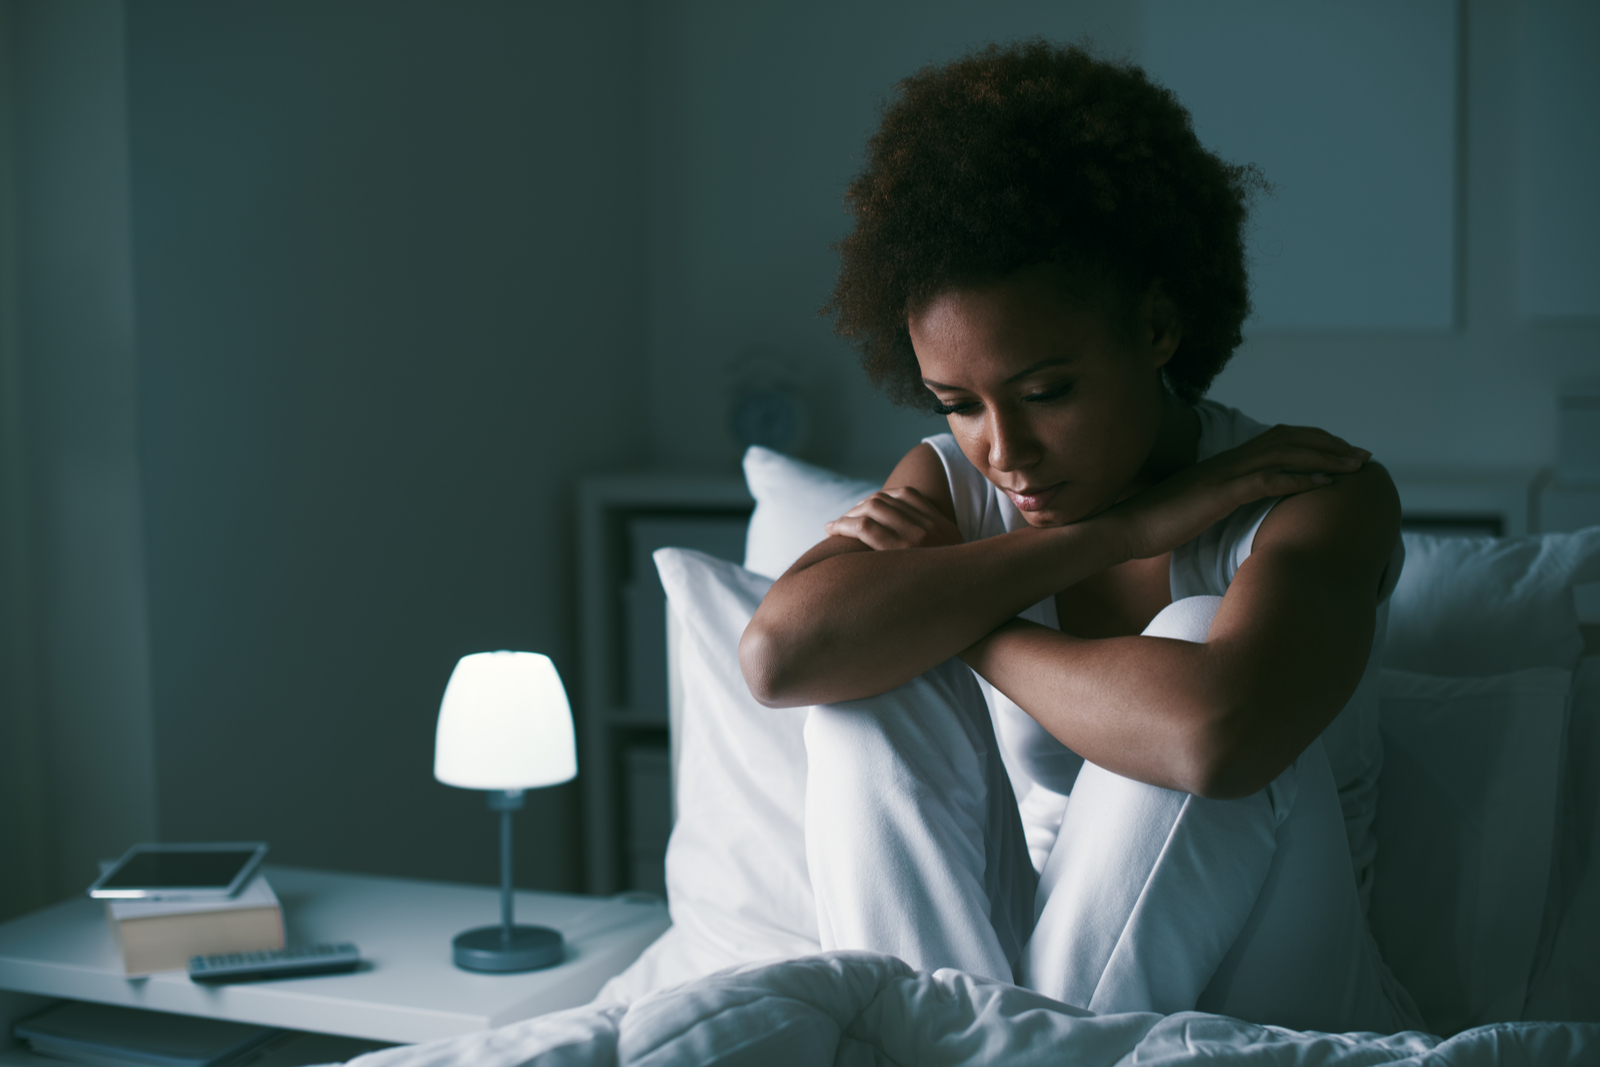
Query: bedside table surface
x=407 y=991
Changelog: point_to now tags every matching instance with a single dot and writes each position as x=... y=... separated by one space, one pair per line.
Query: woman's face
x=1057 y=404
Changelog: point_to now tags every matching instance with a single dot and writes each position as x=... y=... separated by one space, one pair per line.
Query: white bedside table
x=407 y=991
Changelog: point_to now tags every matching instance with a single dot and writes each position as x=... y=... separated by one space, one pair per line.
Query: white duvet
x=865 y=1008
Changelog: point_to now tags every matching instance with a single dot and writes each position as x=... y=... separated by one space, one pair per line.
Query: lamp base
x=483 y=949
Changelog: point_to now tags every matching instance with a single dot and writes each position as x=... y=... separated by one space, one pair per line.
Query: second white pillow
x=1485 y=606
x=1466 y=826
x=793 y=500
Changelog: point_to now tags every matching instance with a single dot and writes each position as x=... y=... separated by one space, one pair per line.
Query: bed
x=1484 y=895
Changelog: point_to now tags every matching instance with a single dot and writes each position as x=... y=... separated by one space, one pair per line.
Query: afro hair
x=1034 y=153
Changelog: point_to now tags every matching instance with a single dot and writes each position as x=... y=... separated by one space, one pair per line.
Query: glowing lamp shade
x=505 y=724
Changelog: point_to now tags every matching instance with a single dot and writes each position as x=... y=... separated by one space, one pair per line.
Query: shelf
x=622 y=628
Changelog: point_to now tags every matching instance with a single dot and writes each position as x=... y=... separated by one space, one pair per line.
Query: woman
x=1156 y=589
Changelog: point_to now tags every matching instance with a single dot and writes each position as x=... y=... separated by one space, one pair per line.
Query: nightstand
x=407 y=989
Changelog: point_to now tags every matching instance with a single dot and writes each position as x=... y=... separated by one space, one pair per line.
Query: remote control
x=275 y=963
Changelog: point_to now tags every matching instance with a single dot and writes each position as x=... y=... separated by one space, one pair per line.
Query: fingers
x=906 y=499
x=911 y=495
x=898 y=518
x=889 y=505
x=870 y=532
x=1303 y=449
x=1310 y=437
x=1306 y=459
x=1283 y=461
x=1289 y=483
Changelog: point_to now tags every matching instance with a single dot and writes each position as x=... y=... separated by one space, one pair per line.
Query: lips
x=1033 y=499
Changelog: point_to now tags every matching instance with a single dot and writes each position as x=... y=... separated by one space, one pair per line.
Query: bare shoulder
x=1351 y=524
x=923 y=471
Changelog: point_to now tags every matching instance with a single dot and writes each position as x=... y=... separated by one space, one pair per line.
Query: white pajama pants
x=1151 y=899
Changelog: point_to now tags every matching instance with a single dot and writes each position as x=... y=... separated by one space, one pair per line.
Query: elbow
x=1223 y=761
x=761 y=663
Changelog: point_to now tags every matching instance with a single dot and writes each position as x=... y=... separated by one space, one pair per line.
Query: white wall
x=387 y=259
x=23 y=832
x=759 y=116
x=1351 y=108
x=82 y=771
x=1478 y=399
x=1559 y=155
x=387 y=265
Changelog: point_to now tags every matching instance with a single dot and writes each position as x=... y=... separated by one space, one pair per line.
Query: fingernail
x=1351 y=461
x=1321 y=480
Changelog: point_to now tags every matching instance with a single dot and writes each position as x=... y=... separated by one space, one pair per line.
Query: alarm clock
x=768 y=416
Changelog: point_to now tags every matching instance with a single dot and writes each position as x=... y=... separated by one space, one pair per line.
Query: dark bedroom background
x=312 y=312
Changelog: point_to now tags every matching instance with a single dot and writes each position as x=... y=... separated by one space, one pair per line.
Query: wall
x=761 y=113
x=78 y=765
x=1480 y=398
x=23 y=833
x=388 y=288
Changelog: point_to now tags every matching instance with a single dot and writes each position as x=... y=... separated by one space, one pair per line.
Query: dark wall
x=77 y=770
x=386 y=304
x=388 y=289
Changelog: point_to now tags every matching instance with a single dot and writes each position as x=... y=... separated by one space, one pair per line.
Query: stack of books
x=158 y=935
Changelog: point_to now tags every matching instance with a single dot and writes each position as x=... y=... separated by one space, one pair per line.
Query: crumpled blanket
x=853 y=1008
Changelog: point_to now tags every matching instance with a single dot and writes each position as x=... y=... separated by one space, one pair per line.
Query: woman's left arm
x=1222 y=719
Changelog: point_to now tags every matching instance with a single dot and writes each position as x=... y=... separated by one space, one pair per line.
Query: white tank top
x=1203 y=566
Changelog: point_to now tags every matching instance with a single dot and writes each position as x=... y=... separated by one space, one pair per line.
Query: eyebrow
x=1024 y=373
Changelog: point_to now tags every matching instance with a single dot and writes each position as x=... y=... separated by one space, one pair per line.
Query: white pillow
x=1465 y=826
x=738 y=886
x=793 y=500
x=1486 y=606
x=1566 y=985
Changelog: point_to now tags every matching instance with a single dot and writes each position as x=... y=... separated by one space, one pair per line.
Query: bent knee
x=1188 y=619
x=938 y=719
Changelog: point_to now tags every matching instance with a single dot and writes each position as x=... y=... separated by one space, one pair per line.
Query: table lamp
x=505 y=726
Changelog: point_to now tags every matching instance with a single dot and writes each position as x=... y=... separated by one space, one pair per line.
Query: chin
x=1052 y=517
x=1065 y=513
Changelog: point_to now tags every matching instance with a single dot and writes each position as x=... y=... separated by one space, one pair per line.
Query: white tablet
x=192 y=870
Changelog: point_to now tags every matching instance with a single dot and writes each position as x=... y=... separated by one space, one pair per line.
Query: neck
x=1177 y=442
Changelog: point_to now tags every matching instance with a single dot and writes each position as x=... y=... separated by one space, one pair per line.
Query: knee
x=1187 y=620
x=837 y=738
x=930 y=725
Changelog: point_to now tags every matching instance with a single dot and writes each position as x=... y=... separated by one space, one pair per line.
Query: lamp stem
x=505 y=875
x=507 y=948
x=505 y=802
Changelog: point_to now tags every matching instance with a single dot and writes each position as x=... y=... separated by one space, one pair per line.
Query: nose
x=1012 y=444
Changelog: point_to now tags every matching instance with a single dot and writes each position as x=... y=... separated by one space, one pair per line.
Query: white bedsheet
x=865 y=1008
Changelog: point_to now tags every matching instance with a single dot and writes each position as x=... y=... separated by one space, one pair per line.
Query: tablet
x=193 y=870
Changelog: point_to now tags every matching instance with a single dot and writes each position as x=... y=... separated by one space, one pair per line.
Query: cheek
x=1103 y=446
x=1083 y=437
x=971 y=440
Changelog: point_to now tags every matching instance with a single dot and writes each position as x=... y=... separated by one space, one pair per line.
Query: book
x=155 y=936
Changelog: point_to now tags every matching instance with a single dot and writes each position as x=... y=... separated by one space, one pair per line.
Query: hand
x=897 y=518
x=1279 y=463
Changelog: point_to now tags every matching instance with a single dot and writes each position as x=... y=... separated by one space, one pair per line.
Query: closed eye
x=958 y=408
x=1045 y=396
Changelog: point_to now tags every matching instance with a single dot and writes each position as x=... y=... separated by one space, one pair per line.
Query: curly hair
x=1029 y=154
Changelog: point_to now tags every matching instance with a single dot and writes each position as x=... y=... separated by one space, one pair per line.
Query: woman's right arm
x=894 y=591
